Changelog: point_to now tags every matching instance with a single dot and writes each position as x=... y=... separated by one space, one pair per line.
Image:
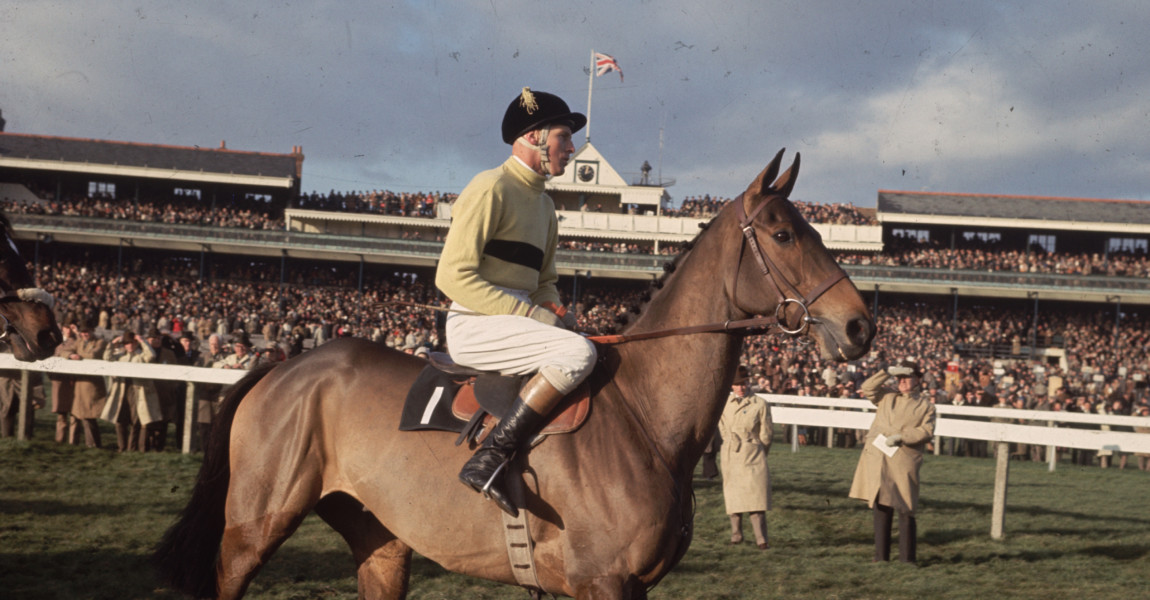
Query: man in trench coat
x=888 y=470
x=745 y=428
x=132 y=403
x=88 y=391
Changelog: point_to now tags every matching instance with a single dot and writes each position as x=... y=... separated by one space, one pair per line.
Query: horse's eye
x=782 y=236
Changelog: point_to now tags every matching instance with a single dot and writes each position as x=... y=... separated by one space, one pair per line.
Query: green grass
x=79 y=523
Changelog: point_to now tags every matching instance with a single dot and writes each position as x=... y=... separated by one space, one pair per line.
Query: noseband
x=785 y=292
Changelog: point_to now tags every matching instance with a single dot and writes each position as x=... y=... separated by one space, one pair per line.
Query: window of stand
x=918 y=235
x=101 y=189
x=1129 y=245
x=1041 y=242
x=186 y=193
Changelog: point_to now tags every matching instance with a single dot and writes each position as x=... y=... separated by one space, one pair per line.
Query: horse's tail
x=186 y=556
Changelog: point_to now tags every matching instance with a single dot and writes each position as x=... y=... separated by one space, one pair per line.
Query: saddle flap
x=568 y=416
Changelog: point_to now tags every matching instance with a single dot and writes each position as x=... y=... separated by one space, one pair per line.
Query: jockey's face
x=559 y=149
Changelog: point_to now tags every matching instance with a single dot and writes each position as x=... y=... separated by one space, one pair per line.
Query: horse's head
x=27 y=323
x=784 y=269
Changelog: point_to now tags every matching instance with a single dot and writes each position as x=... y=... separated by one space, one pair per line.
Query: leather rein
x=770 y=271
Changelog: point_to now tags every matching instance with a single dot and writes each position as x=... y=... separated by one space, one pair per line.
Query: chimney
x=223 y=144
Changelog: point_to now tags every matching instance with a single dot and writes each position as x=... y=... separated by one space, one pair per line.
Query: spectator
x=887 y=477
x=64 y=389
x=746 y=429
x=89 y=391
x=132 y=403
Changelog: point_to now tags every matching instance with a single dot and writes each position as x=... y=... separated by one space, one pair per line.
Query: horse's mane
x=656 y=286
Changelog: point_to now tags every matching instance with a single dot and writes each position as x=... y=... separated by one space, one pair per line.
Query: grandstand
x=1044 y=267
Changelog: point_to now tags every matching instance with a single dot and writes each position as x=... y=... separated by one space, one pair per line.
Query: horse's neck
x=677 y=382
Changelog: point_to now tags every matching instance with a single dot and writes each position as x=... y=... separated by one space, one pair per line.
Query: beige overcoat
x=893 y=480
x=63 y=386
x=746 y=428
x=89 y=393
x=140 y=391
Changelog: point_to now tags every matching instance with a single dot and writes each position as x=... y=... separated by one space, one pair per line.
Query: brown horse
x=27 y=323
x=610 y=505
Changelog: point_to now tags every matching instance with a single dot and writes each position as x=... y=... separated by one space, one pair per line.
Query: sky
x=1046 y=98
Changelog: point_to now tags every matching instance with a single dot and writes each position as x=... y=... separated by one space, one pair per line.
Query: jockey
x=498 y=268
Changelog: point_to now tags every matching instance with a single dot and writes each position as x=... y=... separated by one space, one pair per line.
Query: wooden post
x=830 y=437
x=794 y=438
x=1001 y=476
x=24 y=413
x=189 y=416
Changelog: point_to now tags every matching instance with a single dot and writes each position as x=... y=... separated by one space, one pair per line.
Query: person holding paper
x=887 y=476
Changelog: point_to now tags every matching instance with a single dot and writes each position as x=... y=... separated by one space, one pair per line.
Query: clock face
x=586 y=172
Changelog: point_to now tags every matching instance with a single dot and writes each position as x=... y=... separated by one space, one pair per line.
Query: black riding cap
x=532 y=110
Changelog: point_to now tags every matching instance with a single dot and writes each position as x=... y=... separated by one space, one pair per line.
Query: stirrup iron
x=494 y=476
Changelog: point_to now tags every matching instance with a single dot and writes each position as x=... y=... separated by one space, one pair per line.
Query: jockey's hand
x=565 y=315
x=539 y=314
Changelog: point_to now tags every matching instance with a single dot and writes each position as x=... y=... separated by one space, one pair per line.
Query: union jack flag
x=605 y=64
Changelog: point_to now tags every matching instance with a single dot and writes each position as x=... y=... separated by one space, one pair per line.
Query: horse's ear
x=786 y=182
x=761 y=186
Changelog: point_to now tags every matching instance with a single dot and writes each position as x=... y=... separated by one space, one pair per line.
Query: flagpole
x=590 y=84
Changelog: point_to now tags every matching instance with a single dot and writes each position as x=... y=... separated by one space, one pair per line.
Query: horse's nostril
x=860 y=331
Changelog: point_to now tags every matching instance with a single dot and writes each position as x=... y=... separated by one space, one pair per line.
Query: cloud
x=975 y=96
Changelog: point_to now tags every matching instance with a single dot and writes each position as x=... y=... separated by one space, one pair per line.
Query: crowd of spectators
x=385 y=202
x=665 y=249
x=1105 y=371
x=186 y=211
x=990 y=257
x=254 y=214
x=835 y=213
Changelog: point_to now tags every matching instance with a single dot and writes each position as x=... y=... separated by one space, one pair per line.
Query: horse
x=27 y=323
x=610 y=506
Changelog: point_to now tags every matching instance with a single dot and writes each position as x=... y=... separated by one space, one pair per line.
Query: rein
x=767 y=268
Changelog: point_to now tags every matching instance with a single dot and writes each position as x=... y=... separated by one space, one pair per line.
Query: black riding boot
x=480 y=472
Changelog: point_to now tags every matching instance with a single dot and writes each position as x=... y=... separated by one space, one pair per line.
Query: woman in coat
x=745 y=428
x=132 y=403
x=887 y=472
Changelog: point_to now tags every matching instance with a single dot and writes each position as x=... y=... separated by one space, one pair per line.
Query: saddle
x=447 y=396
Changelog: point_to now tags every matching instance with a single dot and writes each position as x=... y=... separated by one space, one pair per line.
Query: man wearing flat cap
x=498 y=268
x=887 y=473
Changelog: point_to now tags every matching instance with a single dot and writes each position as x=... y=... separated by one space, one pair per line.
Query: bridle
x=785 y=292
x=10 y=293
x=770 y=271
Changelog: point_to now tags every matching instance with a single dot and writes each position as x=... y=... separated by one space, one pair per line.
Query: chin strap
x=36 y=295
x=540 y=148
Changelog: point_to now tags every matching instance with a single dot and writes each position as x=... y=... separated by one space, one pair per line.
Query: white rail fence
x=1037 y=427
x=54 y=366
x=1043 y=428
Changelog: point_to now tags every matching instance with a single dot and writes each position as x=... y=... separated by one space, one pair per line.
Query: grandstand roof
x=131 y=159
x=1000 y=210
